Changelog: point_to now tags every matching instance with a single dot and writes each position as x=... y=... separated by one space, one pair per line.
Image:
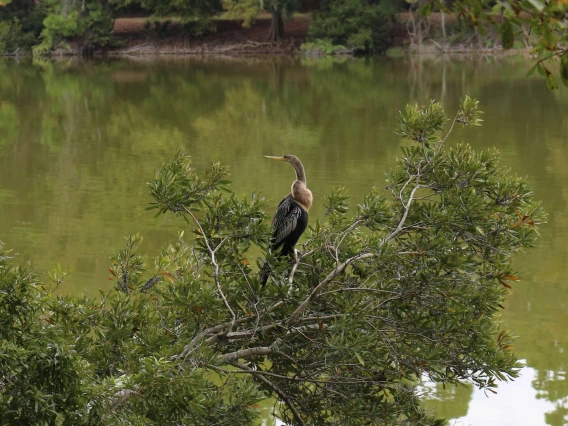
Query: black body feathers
x=289 y=222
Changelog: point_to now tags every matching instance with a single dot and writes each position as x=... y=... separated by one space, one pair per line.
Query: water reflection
x=78 y=141
x=515 y=404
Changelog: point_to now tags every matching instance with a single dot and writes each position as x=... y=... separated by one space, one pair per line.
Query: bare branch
x=356 y=289
x=212 y=330
x=245 y=353
x=447 y=134
x=293 y=271
x=245 y=333
x=400 y=226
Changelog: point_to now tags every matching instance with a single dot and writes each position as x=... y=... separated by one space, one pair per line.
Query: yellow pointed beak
x=275 y=158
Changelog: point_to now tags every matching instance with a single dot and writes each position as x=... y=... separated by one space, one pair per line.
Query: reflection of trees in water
x=105 y=126
x=559 y=417
x=449 y=403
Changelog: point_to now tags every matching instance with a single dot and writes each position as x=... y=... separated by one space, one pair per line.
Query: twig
x=448 y=134
x=398 y=229
x=293 y=271
x=215 y=265
x=355 y=289
x=241 y=334
x=253 y=302
x=287 y=400
x=404 y=187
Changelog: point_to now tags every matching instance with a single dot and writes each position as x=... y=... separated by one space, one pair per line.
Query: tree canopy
x=406 y=283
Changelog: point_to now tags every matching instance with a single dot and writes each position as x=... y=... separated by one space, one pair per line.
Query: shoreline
x=137 y=38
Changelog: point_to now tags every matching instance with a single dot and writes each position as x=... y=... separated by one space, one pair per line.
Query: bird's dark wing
x=288 y=225
x=282 y=210
x=285 y=221
x=289 y=222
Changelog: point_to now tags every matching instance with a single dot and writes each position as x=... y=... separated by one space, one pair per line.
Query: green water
x=78 y=141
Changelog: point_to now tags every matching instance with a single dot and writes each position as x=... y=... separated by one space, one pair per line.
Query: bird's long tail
x=264 y=274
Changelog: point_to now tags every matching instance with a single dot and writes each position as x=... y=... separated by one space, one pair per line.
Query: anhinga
x=291 y=218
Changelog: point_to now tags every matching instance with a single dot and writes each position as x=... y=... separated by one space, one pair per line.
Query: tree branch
x=122 y=397
x=218 y=328
x=245 y=353
x=287 y=400
x=400 y=226
x=293 y=271
x=215 y=266
x=294 y=317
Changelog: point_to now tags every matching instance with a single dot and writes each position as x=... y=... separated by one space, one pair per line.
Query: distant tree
x=194 y=14
x=248 y=10
x=397 y=289
x=87 y=23
x=21 y=23
x=90 y=22
x=356 y=24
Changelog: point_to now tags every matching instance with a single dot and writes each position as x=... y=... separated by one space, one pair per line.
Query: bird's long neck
x=301 y=194
x=300 y=173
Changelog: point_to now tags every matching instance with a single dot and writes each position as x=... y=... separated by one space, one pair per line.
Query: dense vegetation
x=356 y=25
x=384 y=293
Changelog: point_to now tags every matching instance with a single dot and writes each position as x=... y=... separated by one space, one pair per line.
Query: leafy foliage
x=90 y=23
x=248 y=10
x=381 y=295
x=542 y=25
x=20 y=25
x=353 y=23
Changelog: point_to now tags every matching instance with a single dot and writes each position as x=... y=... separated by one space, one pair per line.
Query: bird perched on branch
x=291 y=218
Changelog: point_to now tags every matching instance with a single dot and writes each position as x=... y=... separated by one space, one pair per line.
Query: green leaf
x=507 y=35
x=360 y=358
x=426 y=10
x=537 y=4
x=552 y=82
x=532 y=70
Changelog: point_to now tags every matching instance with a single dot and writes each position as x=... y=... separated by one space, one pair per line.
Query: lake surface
x=79 y=140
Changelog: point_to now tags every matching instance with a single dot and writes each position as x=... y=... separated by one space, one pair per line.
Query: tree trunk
x=443 y=25
x=276 y=26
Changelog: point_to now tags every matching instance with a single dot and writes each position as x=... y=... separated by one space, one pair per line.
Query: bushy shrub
x=353 y=23
x=323 y=47
x=92 y=27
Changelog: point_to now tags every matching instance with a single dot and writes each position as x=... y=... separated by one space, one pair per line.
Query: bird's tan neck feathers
x=302 y=195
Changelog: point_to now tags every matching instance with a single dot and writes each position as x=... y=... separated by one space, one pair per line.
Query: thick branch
x=339 y=269
x=283 y=396
x=245 y=353
x=212 y=330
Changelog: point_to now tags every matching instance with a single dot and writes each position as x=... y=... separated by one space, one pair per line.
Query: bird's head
x=288 y=158
x=295 y=162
